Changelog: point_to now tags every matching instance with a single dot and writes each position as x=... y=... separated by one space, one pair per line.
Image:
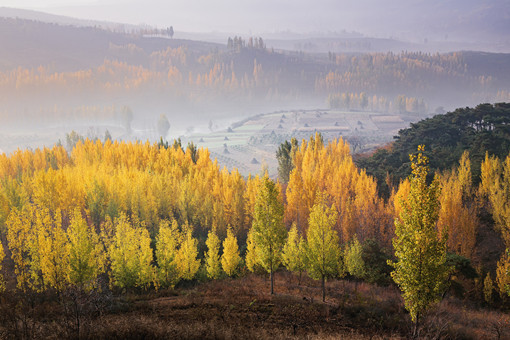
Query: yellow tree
x=457 y=214
x=268 y=230
x=503 y=274
x=2 y=255
x=130 y=255
x=294 y=251
x=86 y=256
x=421 y=271
x=495 y=186
x=187 y=262
x=251 y=259
x=53 y=247
x=323 y=249
x=167 y=243
x=20 y=240
x=212 y=256
x=230 y=259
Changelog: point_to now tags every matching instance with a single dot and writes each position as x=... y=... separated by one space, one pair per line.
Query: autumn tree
x=21 y=243
x=503 y=274
x=130 y=255
x=269 y=232
x=353 y=259
x=294 y=251
x=167 y=244
x=230 y=259
x=420 y=270
x=457 y=212
x=212 y=256
x=251 y=259
x=495 y=186
x=86 y=258
x=53 y=249
x=187 y=262
x=323 y=249
x=2 y=255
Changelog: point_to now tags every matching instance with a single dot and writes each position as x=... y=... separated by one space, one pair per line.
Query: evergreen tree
x=420 y=271
x=284 y=156
x=323 y=243
x=230 y=259
x=212 y=256
x=268 y=229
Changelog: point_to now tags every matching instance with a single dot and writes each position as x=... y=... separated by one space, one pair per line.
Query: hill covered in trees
x=53 y=73
x=480 y=130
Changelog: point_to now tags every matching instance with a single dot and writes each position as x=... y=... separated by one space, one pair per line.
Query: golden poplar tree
x=2 y=255
x=420 y=271
x=503 y=274
x=53 y=247
x=86 y=256
x=130 y=255
x=323 y=248
x=294 y=251
x=230 y=259
x=20 y=240
x=457 y=213
x=251 y=259
x=187 y=262
x=268 y=229
x=167 y=244
x=212 y=256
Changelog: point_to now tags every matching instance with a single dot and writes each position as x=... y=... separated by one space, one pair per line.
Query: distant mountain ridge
x=8 y=12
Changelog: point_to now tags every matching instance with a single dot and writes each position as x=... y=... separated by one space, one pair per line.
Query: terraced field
x=250 y=145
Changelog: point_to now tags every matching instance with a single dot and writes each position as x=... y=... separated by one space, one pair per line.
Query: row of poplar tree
x=48 y=256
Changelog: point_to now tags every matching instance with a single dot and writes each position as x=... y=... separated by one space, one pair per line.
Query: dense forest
x=138 y=217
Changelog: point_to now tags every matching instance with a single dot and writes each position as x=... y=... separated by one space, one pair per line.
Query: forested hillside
x=480 y=130
x=71 y=72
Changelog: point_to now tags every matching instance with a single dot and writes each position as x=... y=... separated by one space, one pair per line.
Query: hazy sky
x=399 y=18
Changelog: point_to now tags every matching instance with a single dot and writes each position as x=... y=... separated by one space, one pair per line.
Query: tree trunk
x=416 y=325
x=272 y=282
x=323 y=289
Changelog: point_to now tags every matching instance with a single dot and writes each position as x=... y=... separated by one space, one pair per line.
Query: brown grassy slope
x=243 y=309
